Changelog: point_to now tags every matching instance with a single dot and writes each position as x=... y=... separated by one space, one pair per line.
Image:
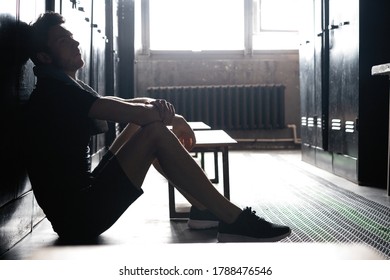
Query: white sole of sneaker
x=199 y=224
x=223 y=238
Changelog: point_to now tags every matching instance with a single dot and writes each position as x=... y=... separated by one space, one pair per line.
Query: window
x=196 y=25
x=276 y=24
x=199 y=25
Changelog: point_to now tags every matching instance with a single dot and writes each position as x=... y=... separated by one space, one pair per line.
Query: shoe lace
x=252 y=215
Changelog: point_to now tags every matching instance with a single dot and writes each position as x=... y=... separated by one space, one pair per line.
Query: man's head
x=52 y=44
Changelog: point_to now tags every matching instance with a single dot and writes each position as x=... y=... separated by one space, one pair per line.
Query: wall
x=213 y=68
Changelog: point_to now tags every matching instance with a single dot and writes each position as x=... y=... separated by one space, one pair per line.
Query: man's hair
x=40 y=32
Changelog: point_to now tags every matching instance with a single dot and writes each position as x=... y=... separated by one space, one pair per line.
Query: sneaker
x=250 y=228
x=202 y=219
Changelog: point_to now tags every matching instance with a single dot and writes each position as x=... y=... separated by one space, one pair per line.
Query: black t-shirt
x=58 y=133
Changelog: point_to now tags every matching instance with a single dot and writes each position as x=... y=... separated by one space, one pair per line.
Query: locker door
x=307 y=92
x=98 y=46
x=307 y=89
x=9 y=180
x=111 y=62
x=320 y=76
x=343 y=76
x=29 y=10
x=78 y=21
x=16 y=84
x=98 y=60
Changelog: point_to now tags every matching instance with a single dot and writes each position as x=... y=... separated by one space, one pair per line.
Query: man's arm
x=184 y=132
x=120 y=110
x=166 y=109
x=144 y=100
x=142 y=111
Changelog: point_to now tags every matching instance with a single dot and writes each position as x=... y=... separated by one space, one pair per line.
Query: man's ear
x=44 y=58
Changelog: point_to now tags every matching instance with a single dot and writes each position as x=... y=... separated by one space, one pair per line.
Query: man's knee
x=156 y=130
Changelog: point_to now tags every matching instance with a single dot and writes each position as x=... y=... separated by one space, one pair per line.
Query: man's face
x=63 y=50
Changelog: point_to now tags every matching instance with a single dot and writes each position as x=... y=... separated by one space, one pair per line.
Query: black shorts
x=96 y=208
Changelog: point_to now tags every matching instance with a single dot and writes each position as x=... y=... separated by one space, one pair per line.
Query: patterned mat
x=319 y=211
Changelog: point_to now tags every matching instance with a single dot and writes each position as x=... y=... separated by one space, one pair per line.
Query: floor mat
x=319 y=211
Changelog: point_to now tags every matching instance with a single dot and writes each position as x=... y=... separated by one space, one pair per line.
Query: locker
x=351 y=103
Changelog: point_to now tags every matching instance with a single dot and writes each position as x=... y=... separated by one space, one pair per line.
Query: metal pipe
x=295 y=138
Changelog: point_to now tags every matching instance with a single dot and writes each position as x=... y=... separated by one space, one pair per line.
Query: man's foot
x=202 y=219
x=250 y=228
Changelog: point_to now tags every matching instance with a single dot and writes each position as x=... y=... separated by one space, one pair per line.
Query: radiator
x=229 y=107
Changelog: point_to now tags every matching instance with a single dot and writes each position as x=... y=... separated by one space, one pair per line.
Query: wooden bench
x=215 y=141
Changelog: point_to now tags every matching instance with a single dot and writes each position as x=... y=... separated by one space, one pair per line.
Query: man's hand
x=184 y=132
x=166 y=110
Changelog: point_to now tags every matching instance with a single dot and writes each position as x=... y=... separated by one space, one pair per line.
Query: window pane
x=279 y=15
x=196 y=25
x=276 y=24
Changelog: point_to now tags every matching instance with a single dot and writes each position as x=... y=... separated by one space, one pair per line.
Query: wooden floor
x=146 y=224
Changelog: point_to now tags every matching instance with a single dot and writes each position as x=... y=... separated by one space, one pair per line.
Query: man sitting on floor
x=63 y=113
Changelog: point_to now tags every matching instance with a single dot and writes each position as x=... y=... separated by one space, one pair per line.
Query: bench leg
x=215 y=180
x=173 y=214
x=225 y=169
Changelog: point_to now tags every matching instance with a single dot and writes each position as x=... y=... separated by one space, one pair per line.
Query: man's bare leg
x=155 y=141
x=123 y=137
x=126 y=134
